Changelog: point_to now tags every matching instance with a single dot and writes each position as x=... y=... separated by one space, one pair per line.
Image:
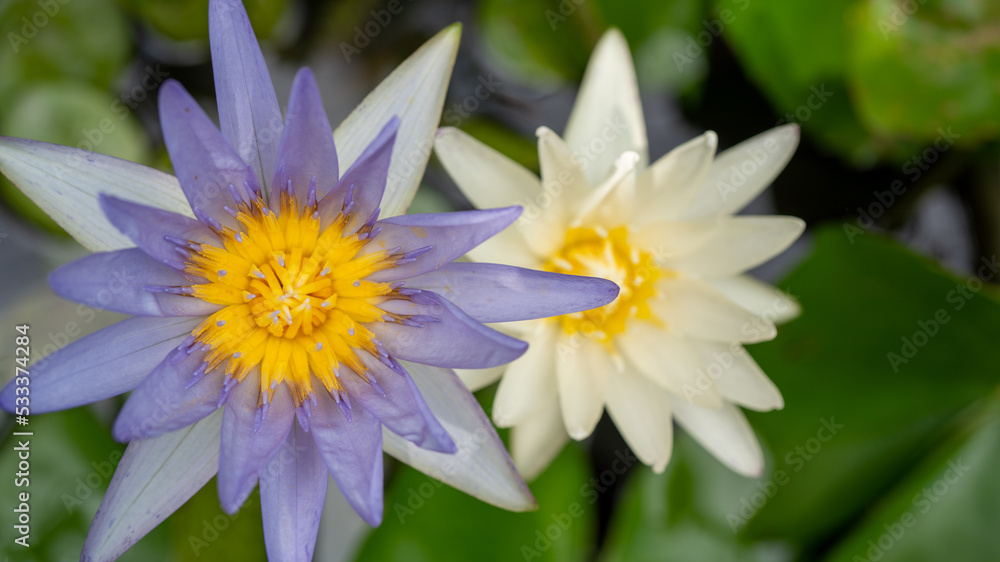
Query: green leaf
x=424 y=518
x=188 y=19
x=888 y=349
x=202 y=531
x=915 y=70
x=948 y=509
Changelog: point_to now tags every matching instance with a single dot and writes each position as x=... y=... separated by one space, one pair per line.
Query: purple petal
x=150 y=228
x=401 y=408
x=245 y=450
x=205 y=164
x=163 y=402
x=117 y=281
x=306 y=152
x=448 y=235
x=292 y=490
x=103 y=364
x=491 y=292
x=248 y=107
x=154 y=478
x=452 y=340
x=352 y=451
x=364 y=181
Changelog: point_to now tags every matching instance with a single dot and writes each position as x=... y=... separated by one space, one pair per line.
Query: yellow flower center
x=597 y=252
x=295 y=297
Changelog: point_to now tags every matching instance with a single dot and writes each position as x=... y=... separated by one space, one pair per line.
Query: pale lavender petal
x=176 y=394
x=153 y=229
x=398 y=405
x=248 y=107
x=440 y=334
x=306 y=155
x=292 y=491
x=103 y=364
x=352 y=451
x=363 y=183
x=154 y=478
x=492 y=292
x=245 y=450
x=436 y=239
x=210 y=172
x=119 y=281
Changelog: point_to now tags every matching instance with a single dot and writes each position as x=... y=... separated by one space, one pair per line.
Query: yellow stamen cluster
x=598 y=252
x=295 y=297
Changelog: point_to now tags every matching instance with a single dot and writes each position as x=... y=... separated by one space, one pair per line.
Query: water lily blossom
x=670 y=347
x=288 y=325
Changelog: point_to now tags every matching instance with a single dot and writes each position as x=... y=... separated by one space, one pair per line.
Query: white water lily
x=670 y=347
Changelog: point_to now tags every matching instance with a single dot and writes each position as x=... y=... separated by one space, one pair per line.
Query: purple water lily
x=278 y=321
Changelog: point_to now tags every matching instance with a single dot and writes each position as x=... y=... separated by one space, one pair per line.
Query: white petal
x=695 y=308
x=641 y=411
x=65 y=183
x=583 y=367
x=741 y=243
x=758 y=297
x=740 y=173
x=481 y=467
x=154 y=478
x=669 y=185
x=611 y=204
x=530 y=380
x=563 y=180
x=489 y=179
x=738 y=377
x=538 y=440
x=725 y=433
x=414 y=92
x=669 y=360
x=673 y=239
x=475 y=379
x=607 y=118
x=509 y=248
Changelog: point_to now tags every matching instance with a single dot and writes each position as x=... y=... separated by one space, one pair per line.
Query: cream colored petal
x=741 y=243
x=668 y=240
x=610 y=205
x=758 y=297
x=508 y=247
x=544 y=228
x=695 y=308
x=724 y=432
x=741 y=173
x=669 y=185
x=583 y=367
x=607 y=118
x=669 y=360
x=538 y=440
x=738 y=377
x=65 y=183
x=489 y=179
x=414 y=92
x=530 y=380
x=475 y=379
x=641 y=411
